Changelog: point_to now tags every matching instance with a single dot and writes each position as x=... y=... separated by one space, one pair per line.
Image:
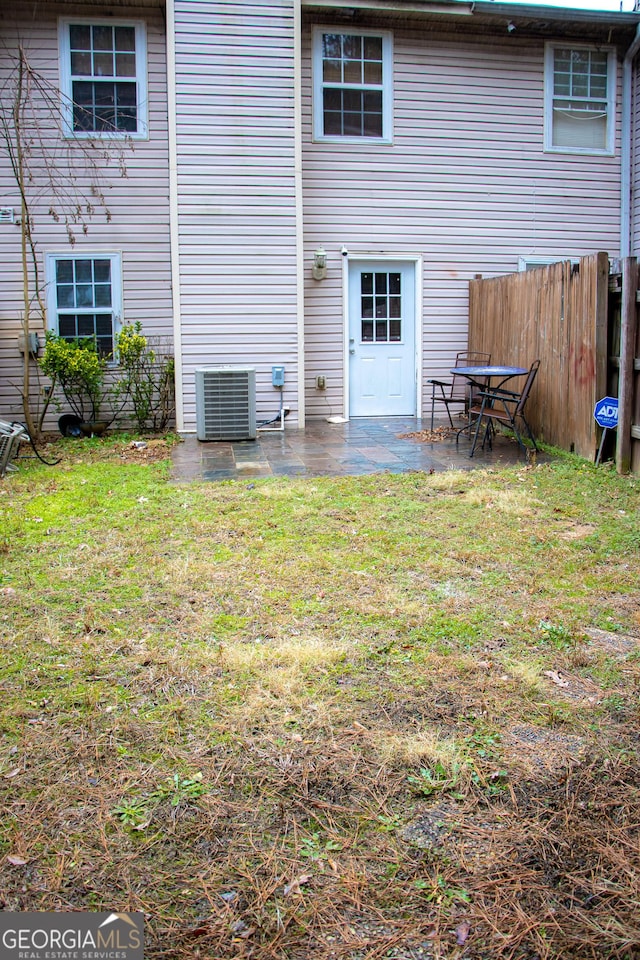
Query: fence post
x=628 y=326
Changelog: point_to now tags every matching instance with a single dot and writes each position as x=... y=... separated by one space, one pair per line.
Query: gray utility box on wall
x=226 y=403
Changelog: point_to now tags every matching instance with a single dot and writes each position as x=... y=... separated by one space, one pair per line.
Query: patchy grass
x=385 y=716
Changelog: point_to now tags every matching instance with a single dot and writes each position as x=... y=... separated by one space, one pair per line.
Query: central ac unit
x=226 y=403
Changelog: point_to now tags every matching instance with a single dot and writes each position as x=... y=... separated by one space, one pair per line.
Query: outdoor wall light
x=319 y=264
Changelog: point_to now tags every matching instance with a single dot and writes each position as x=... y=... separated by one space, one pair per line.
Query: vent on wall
x=226 y=403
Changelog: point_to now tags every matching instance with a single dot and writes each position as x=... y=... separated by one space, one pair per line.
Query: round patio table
x=480 y=377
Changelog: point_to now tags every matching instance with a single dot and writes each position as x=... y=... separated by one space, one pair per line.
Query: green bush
x=79 y=370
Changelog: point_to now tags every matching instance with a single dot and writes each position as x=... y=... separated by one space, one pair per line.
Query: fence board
x=558 y=314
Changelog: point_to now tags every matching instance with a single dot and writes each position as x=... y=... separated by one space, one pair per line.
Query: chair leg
x=477 y=431
x=531 y=436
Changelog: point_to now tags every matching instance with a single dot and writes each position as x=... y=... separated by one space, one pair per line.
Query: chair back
x=459 y=385
x=526 y=390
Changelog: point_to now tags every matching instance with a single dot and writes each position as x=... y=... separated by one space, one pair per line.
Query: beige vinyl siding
x=138 y=203
x=466 y=185
x=635 y=161
x=236 y=196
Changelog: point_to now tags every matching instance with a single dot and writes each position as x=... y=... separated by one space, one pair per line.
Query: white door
x=382 y=339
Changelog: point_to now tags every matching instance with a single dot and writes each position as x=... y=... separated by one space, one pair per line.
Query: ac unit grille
x=226 y=403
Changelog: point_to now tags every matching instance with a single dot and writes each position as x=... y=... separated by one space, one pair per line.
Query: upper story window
x=85 y=298
x=103 y=78
x=352 y=75
x=580 y=99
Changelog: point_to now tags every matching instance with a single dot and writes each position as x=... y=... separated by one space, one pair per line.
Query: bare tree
x=54 y=173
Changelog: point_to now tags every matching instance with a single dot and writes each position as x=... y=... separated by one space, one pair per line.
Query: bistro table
x=480 y=377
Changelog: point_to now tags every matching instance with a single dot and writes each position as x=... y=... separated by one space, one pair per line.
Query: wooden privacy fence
x=562 y=314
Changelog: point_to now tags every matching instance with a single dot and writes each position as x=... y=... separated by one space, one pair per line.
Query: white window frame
x=66 y=79
x=53 y=310
x=530 y=263
x=549 y=68
x=387 y=84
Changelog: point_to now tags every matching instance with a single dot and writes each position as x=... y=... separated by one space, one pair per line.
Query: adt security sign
x=606 y=413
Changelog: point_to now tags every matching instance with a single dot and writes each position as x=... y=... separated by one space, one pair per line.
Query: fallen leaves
x=556 y=678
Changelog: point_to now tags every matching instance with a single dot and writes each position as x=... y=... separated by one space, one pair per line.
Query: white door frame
x=389 y=258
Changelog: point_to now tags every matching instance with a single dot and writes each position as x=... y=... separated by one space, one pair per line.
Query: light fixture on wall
x=320 y=264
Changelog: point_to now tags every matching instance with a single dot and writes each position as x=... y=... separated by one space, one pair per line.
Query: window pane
x=394 y=283
x=104 y=324
x=102 y=271
x=125 y=65
x=394 y=306
x=367 y=331
x=332 y=71
x=83 y=93
x=372 y=126
x=84 y=295
x=67 y=326
x=81 y=64
x=352 y=124
x=353 y=71
x=367 y=307
x=366 y=282
x=575 y=129
x=84 y=271
x=127 y=121
x=352 y=101
x=394 y=331
x=80 y=37
x=352 y=48
x=332 y=99
x=86 y=325
x=381 y=283
x=373 y=48
x=103 y=38
x=125 y=39
x=332 y=46
x=102 y=295
x=580 y=87
x=381 y=331
x=64 y=271
x=64 y=295
x=103 y=65
x=104 y=94
x=381 y=306
x=126 y=94
x=373 y=73
x=332 y=123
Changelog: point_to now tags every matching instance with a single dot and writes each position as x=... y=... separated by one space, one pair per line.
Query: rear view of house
x=311 y=186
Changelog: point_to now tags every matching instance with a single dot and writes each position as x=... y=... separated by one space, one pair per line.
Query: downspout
x=626 y=133
x=173 y=210
x=299 y=210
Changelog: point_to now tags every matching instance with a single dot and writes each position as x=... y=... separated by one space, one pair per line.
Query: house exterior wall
x=138 y=203
x=465 y=185
x=635 y=162
x=236 y=215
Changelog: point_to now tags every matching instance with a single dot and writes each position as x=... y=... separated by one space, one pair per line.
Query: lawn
x=373 y=717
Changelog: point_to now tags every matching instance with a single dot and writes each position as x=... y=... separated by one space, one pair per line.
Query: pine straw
x=546 y=869
x=430 y=436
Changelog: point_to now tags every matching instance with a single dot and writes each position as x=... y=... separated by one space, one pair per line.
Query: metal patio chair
x=505 y=407
x=457 y=390
x=11 y=436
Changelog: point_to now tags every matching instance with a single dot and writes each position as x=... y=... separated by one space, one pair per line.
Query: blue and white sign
x=606 y=413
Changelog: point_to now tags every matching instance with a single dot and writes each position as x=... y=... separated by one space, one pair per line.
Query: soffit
x=483 y=18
